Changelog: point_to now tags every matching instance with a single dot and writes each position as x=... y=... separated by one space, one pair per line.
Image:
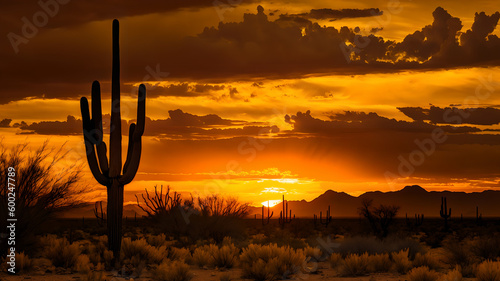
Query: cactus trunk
x=115 y=215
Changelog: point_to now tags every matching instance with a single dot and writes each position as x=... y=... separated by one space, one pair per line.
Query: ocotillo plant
x=269 y=216
x=444 y=212
x=110 y=174
x=284 y=217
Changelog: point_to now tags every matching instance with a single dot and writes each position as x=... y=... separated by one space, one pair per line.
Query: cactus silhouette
x=327 y=220
x=99 y=213
x=110 y=174
x=269 y=216
x=444 y=212
x=479 y=216
x=284 y=217
x=419 y=220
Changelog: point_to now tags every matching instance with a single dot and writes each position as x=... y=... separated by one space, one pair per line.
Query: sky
x=256 y=99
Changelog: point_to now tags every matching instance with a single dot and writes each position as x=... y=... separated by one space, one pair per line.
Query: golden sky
x=261 y=98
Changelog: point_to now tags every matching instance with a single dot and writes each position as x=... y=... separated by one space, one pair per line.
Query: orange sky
x=257 y=102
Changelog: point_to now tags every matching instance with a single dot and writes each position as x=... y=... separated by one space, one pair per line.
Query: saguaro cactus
x=444 y=212
x=284 y=217
x=110 y=174
x=269 y=215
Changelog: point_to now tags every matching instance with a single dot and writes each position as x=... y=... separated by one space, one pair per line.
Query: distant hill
x=87 y=211
x=411 y=199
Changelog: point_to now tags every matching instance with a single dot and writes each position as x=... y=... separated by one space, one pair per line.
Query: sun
x=272 y=203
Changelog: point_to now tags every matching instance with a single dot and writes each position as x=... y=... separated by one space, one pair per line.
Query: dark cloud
x=355 y=122
x=81 y=12
x=331 y=14
x=442 y=44
x=71 y=126
x=5 y=123
x=179 y=125
x=255 y=47
x=183 y=90
x=454 y=115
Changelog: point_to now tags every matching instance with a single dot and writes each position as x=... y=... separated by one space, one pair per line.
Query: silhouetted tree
x=380 y=218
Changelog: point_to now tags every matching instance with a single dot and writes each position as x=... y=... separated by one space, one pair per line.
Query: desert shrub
x=23 y=263
x=82 y=264
x=157 y=240
x=315 y=254
x=486 y=247
x=137 y=251
x=225 y=256
x=379 y=263
x=488 y=271
x=453 y=275
x=459 y=254
x=180 y=254
x=380 y=218
x=427 y=259
x=60 y=251
x=335 y=260
x=259 y=239
x=401 y=261
x=373 y=245
x=270 y=262
x=422 y=274
x=45 y=185
x=354 y=265
x=202 y=257
x=172 y=271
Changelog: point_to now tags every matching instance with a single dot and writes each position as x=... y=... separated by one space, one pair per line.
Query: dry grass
x=488 y=271
x=60 y=251
x=202 y=257
x=422 y=274
x=453 y=275
x=379 y=263
x=23 y=263
x=172 y=271
x=401 y=261
x=335 y=260
x=83 y=264
x=139 y=251
x=354 y=265
x=225 y=256
x=270 y=262
x=427 y=259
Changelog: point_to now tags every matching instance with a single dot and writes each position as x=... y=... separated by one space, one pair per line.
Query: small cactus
x=269 y=216
x=445 y=212
x=284 y=215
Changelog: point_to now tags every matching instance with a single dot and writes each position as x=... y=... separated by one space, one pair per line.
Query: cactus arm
x=133 y=164
x=97 y=118
x=115 y=139
x=141 y=112
x=91 y=156
x=130 y=149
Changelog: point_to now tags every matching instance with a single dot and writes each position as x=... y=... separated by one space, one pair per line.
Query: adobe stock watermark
x=31 y=27
x=426 y=147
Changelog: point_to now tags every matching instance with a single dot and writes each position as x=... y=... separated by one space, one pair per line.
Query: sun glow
x=271 y=203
